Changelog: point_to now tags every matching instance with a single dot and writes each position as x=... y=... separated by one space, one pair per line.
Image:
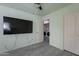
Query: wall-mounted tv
x=16 y=26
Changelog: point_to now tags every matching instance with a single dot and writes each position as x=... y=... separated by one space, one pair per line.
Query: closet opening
x=46 y=30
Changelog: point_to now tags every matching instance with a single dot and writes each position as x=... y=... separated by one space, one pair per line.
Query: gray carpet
x=40 y=49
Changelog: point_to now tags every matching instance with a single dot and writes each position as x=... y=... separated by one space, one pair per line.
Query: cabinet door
x=77 y=34
x=69 y=30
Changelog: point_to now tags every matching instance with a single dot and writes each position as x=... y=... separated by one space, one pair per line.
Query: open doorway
x=46 y=30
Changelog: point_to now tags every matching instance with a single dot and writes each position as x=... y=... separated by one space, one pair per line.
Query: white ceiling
x=51 y=7
x=31 y=7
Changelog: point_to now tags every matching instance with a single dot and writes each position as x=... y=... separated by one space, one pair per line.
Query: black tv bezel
x=20 y=19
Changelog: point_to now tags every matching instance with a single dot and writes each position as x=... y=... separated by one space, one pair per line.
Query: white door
x=77 y=34
x=69 y=33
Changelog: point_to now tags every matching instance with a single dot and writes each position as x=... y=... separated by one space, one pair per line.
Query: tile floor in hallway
x=40 y=49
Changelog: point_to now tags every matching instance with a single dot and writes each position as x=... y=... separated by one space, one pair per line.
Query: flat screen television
x=16 y=26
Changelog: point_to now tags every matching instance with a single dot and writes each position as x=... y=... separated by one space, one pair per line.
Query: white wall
x=56 y=24
x=11 y=42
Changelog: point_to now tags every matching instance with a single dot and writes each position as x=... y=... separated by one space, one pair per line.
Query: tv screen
x=16 y=26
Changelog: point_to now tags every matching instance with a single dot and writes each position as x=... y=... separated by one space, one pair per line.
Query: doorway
x=46 y=30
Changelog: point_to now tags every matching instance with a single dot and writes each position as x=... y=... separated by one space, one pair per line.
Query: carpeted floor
x=40 y=49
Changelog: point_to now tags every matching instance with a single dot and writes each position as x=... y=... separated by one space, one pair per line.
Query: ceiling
x=32 y=8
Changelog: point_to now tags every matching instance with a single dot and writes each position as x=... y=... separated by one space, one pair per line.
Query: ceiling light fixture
x=39 y=6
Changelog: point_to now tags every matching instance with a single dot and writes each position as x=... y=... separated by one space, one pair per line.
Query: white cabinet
x=71 y=33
